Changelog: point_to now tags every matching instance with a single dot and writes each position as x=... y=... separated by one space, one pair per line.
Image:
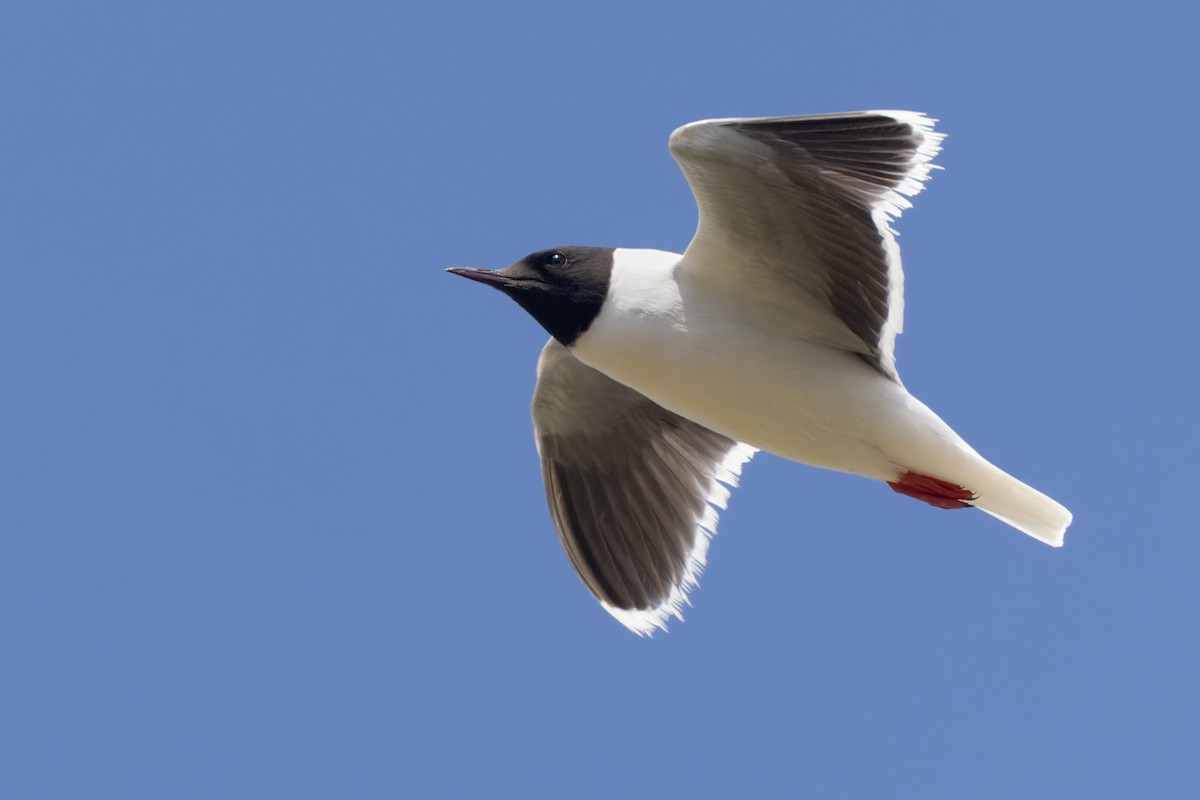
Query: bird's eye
x=556 y=259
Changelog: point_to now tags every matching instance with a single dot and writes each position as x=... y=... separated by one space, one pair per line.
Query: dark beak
x=488 y=276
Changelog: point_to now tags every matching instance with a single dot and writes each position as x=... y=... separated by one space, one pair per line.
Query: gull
x=775 y=330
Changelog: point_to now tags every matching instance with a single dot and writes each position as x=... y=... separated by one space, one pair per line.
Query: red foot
x=939 y=494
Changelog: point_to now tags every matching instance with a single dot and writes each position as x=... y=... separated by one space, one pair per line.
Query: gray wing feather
x=632 y=488
x=795 y=217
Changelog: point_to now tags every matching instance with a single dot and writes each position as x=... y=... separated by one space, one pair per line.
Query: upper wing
x=795 y=217
x=632 y=488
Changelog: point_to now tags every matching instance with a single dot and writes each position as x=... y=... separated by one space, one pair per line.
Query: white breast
x=695 y=352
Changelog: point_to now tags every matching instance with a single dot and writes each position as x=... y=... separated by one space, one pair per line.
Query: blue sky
x=270 y=516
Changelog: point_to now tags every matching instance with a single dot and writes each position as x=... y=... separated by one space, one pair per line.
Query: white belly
x=799 y=400
x=804 y=401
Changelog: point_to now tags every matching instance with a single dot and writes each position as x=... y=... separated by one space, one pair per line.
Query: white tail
x=1023 y=507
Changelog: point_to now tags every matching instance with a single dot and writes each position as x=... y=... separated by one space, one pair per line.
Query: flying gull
x=774 y=331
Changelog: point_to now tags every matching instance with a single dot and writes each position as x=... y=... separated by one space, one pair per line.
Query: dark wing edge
x=857 y=169
x=634 y=489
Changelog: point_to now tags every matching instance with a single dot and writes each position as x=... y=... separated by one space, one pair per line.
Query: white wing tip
x=922 y=162
x=645 y=621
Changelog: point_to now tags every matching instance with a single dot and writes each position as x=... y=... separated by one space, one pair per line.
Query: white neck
x=643 y=284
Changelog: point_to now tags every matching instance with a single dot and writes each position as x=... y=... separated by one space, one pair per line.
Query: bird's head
x=562 y=288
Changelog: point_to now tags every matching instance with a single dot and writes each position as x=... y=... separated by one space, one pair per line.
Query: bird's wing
x=633 y=488
x=795 y=218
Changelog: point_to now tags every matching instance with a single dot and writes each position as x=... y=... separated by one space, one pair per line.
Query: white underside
x=804 y=401
x=700 y=355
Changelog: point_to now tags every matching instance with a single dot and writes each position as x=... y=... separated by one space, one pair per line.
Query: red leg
x=938 y=493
